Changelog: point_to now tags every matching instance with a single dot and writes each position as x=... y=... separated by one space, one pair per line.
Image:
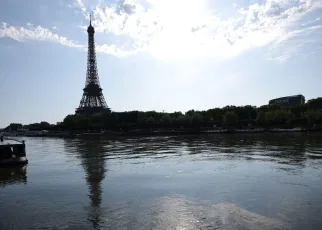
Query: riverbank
x=159 y=132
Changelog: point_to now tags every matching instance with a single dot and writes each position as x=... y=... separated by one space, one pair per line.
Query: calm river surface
x=213 y=182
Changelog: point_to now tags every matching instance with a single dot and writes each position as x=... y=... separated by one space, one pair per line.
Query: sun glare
x=177 y=18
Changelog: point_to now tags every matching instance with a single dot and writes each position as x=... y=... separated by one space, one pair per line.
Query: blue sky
x=171 y=55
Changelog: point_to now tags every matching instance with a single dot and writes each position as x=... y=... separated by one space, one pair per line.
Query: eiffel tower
x=92 y=101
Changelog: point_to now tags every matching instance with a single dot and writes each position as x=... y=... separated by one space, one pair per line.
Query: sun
x=177 y=18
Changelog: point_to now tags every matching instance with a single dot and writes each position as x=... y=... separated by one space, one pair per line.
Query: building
x=92 y=101
x=288 y=102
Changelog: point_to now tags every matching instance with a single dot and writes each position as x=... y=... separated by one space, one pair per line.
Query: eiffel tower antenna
x=93 y=99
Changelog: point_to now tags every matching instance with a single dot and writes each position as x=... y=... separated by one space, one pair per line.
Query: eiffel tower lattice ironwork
x=92 y=100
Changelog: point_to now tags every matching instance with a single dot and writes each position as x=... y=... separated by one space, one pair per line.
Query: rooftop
x=298 y=95
x=7 y=141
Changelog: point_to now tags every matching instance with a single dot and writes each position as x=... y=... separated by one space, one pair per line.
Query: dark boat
x=12 y=152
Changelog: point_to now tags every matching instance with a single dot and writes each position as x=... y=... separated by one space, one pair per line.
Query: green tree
x=181 y=120
x=261 y=118
x=216 y=113
x=319 y=116
x=190 y=112
x=314 y=103
x=289 y=116
x=14 y=127
x=269 y=116
x=141 y=118
x=196 y=119
x=150 y=120
x=311 y=117
x=166 y=120
x=70 y=121
x=230 y=118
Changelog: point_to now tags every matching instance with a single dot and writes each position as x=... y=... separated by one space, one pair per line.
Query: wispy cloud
x=38 y=33
x=169 y=29
x=113 y=50
x=178 y=28
x=293 y=43
x=79 y=4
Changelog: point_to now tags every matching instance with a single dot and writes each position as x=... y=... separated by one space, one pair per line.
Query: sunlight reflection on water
x=214 y=182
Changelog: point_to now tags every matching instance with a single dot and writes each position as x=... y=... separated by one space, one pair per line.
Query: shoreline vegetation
x=159 y=132
x=230 y=119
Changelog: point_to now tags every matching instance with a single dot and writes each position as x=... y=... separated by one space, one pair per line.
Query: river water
x=266 y=181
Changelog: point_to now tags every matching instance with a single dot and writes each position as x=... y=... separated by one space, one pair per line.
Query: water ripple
x=213 y=182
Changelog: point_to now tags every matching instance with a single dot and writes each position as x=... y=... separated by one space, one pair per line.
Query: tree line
x=267 y=116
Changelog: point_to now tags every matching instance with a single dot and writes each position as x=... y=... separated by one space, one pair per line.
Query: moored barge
x=12 y=152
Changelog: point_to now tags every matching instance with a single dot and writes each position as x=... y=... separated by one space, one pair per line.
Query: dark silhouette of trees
x=230 y=118
x=14 y=127
x=267 y=116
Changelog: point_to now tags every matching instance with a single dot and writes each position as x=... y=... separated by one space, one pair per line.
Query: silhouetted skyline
x=156 y=55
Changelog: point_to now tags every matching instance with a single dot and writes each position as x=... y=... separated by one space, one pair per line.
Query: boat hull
x=14 y=161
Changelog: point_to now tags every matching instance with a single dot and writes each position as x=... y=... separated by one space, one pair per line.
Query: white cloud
x=34 y=33
x=170 y=29
x=39 y=33
x=293 y=42
x=180 y=28
x=296 y=33
x=113 y=50
x=79 y=4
